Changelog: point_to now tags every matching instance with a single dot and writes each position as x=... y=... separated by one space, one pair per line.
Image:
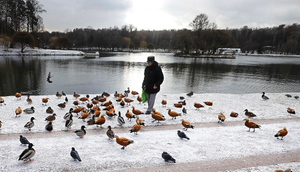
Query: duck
x=291 y=111
x=139 y=121
x=45 y=101
x=2 y=101
x=24 y=140
x=134 y=93
x=120 y=119
x=136 y=111
x=129 y=115
x=105 y=94
x=84 y=99
x=157 y=117
x=49 y=126
x=97 y=113
x=69 y=122
x=0 y=124
x=178 y=105
x=75 y=95
x=29 y=100
x=84 y=115
x=123 y=141
x=95 y=102
x=208 y=103
x=119 y=99
x=251 y=124
x=173 y=114
x=102 y=99
x=100 y=121
x=186 y=124
x=81 y=133
x=76 y=103
x=221 y=118
x=50 y=118
x=49 y=110
x=164 y=102
x=91 y=121
x=110 y=133
x=122 y=103
x=167 y=157
x=106 y=103
x=182 y=135
x=74 y=154
x=58 y=95
x=182 y=102
x=111 y=113
x=264 y=97
x=128 y=100
x=30 y=124
x=127 y=91
x=18 y=96
x=29 y=110
x=287 y=170
x=116 y=94
x=18 y=111
x=27 y=154
x=77 y=110
x=234 y=114
x=198 y=105
x=139 y=99
x=154 y=111
x=68 y=114
x=62 y=105
x=135 y=128
x=249 y=114
x=281 y=133
x=190 y=94
x=108 y=107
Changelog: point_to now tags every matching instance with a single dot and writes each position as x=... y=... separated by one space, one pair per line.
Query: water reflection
x=241 y=75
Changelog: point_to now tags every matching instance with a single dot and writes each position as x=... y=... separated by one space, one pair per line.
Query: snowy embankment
x=100 y=153
x=40 y=52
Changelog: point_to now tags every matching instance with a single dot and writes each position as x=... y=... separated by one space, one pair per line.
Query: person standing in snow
x=153 y=78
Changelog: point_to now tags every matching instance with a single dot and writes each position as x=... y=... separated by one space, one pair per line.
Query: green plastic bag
x=144 y=96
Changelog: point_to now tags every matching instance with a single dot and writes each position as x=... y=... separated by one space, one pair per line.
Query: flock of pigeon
x=91 y=109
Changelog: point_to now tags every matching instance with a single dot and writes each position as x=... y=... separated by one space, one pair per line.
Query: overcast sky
x=167 y=14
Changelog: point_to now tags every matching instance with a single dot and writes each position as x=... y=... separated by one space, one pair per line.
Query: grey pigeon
x=23 y=140
x=184 y=110
x=182 y=135
x=167 y=157
x=296 y=97
x=74 y=154
x=63 y=93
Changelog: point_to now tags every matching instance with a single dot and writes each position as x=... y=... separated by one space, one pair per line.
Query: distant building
x=228 y=51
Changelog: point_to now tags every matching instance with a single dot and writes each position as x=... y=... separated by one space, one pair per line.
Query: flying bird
x=167 y=157
x=182 y=135
x=74 y=154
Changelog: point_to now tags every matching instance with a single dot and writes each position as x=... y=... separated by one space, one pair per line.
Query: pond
x=245 y=74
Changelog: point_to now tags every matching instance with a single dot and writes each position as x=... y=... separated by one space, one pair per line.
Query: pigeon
x=66 y=99
x=74 y=154
x=23 y=140
x=184 y=110
x=63 y=93
x=288 y=95
x=296 y=97
x=182 y=135
x=181 y=98
x=167 y=157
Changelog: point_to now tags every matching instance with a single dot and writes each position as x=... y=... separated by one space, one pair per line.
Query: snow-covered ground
x=100 y=153
x=39 y=52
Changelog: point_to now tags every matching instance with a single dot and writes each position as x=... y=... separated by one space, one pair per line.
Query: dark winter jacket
x=152 y=76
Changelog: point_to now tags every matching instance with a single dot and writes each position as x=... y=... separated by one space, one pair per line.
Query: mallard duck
x=74 y=154
x=62 y=105
x=186 y=124
x=264 y=97
x=68 y=114
x=18 y=111
x=69 y=122
x=91 y=121
x=30 y=124
x=221 y=118
x=29 y=100
x=249 y=114
x=24 y=140
x=58 y=95
x=49 y=126
x=2 y=101
x=121 y=120
x=190 y=94
x=81 y=132
x=75 y=95
x=50 y=117
x=29 y=110
x=110 y=133
x=122 y=103
x=28 y=153
x=123 y=141
x=49 y=110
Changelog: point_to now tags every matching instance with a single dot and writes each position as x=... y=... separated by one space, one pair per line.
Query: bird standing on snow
x=69 y=122
x=49 y=126
x=123 y=141
x=281 y=133
x=81 y=132
x=110 y=133
x=182 y=135
x=2 y=101
x=27 y=154
x=18 y=111
x=221 y=118
x=249 y=114
x=29 y=110
x=135 y=128
x=290 y=110
x=287 y=170
x=167 y=157
x=264 y=97
x=0 y=124
x=173 y=114
x=190 y=94
x=74 y=154
x=30 y=124
x=121 y=120
x=24 y=140
x=251 y=124
x=186 y=125
x=184 y=111
x=50 y=117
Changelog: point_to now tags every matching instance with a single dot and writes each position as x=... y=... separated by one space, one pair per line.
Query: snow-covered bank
x=40 y=52
x=100 y=153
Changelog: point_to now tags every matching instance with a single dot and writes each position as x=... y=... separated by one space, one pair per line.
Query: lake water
x=245 y=74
